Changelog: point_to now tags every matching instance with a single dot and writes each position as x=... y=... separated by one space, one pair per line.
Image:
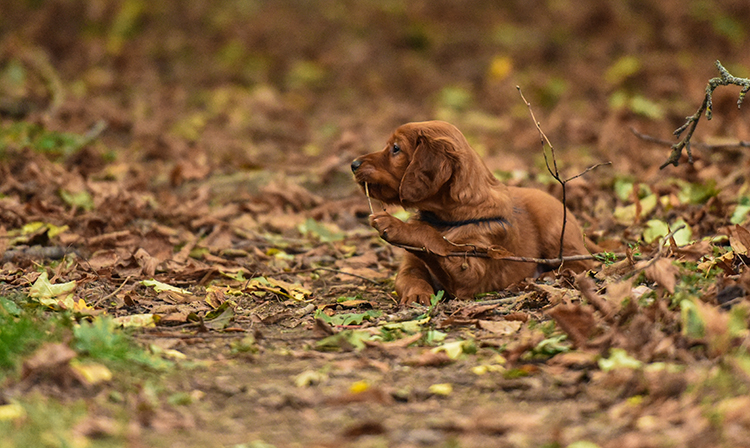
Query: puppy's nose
x=356 y=165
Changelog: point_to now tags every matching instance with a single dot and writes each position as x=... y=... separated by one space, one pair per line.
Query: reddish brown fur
x=435 y=170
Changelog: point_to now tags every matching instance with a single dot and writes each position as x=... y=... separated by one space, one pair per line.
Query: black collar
x=431 y=219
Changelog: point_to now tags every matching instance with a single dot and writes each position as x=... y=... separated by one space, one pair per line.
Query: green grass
x=30 y=419
x=22 y=331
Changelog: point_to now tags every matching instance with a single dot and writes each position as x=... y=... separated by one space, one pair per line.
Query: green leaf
x=741 y=211
x=656 y=229
x=738 y=318
x=552 y=346
x=619 y=358
x=696 y=193
x=622 y=69
x=346 y=340
x=219 y=318
x=82 y=199
x=642 y=106
x=626 y=215
x=693 y=324
x=344 y=319
x=456 y=98
x=408 y=326
x=623 y=188
x=10 y=306
x=456 y=348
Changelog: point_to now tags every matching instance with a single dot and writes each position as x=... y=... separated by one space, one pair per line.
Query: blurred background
x=175 y=91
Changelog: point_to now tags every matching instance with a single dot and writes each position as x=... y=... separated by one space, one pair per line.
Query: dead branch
x=692 y=121
x=484 y=252
x=554 y=172
x=661 y=141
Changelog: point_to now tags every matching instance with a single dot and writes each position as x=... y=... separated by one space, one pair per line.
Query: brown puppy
x=430 y=167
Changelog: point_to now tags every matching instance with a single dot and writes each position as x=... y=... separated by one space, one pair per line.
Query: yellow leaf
x=159 y=286
x=136 y=320
x=500 y=67
x=58 y=296
x=359 y=387
x=309 y=378
x=81 y=306
x=452 y=349
x=91 y=372
x=11 y=411
x=443 y=389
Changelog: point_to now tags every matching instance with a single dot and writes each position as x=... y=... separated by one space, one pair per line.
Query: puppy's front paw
x=416 y=295
x=386 y=225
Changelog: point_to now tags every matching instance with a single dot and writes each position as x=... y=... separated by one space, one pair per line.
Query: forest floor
x=186 y=260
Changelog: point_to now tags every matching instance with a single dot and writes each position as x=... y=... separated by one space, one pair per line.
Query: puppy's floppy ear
x=430 y=168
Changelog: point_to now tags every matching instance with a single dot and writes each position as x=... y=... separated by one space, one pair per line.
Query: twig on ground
x=692 y=121
x=659 y=252
x=112 y=294
x=37 y=252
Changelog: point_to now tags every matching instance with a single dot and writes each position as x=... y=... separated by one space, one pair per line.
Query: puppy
x=430 y=167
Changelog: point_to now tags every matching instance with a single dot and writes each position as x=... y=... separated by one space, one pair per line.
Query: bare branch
x=692 y=121
x=661 y=141
x=555 y=173
x=484 y=252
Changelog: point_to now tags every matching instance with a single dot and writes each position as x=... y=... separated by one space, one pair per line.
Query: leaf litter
x=217 y=223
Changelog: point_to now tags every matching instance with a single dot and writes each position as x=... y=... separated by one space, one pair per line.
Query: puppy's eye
x=396 y=149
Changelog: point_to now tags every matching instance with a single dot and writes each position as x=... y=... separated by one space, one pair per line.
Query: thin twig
x=112 y=294
x=661 y=141
x=691 y=122
x=591 y=168
x=369 y=201
x=555 y=173
x=482 y=252
x=659 y=251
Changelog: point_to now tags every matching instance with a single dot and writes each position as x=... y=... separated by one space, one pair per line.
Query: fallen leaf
x=456 y=348
x=619 y=358
x=136 y=320
x=309 y=378
x=58 y=296
x=12 y=411
x=442 y=389
x=161 y=287
x=91 y=373
x=663 y=272
x=500 y=327
x=577 y=321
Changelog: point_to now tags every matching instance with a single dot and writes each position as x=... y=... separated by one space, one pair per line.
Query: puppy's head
x=416 y=165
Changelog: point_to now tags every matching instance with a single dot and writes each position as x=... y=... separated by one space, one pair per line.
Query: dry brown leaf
x=577 y=321
x=500 y=327
x=663 y=272
x=742 y=236
x=429 y=358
